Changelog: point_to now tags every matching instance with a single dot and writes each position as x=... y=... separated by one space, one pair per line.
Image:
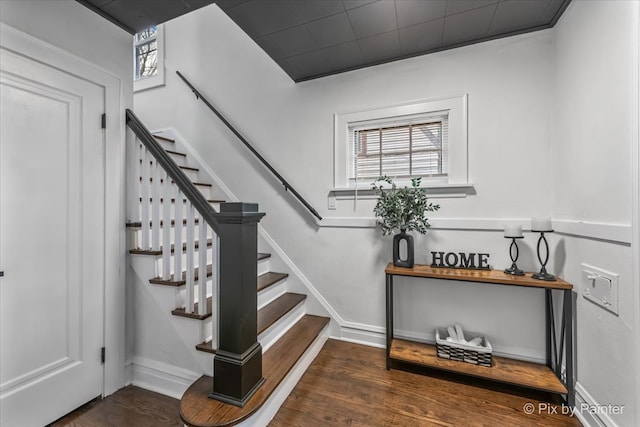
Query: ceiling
x=316 y=38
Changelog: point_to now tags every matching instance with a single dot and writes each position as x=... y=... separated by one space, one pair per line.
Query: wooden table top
x=483 y=276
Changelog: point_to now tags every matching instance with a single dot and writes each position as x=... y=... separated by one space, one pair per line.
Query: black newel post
x=237 y=365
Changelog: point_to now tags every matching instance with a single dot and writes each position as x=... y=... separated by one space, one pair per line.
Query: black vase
x=397 y=261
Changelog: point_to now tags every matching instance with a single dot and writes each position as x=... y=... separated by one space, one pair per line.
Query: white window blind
x=417 y=147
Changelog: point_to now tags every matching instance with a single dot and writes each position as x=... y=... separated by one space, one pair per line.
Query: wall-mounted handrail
x=183 y=182
x=284 y=182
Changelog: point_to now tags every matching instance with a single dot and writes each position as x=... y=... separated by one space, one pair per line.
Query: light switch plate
x=601 y=287
x=331 y=202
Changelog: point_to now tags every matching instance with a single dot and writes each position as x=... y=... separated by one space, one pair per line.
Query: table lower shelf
x=505 y=370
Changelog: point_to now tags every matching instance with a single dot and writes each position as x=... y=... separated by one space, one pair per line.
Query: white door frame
x=635 y=186
x=114 y=233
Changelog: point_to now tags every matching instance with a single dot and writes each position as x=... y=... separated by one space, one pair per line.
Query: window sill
x=148 y=83
x=440 y=190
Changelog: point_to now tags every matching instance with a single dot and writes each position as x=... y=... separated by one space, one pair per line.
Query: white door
x=51 y=242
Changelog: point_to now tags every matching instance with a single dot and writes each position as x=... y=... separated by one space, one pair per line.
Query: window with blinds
x=415 y=148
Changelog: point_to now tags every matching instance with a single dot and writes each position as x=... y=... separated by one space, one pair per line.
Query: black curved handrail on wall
x=284 y=182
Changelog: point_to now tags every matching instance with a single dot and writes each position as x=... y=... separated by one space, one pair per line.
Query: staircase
x=178 y=254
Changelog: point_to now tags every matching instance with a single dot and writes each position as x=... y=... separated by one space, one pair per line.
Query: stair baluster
x=155 y=208
x=202 y=262
x=177 y=259
x=190 y=283
x=166 y=230
x=144 y=191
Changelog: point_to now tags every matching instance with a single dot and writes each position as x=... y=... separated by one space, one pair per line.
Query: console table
x=511 y=371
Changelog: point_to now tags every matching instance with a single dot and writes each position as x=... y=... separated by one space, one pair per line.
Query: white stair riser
x=275 y=331
x=138 y=235
x=264 y=266
x=182 y=294
x=269 y=294
x=183 y=256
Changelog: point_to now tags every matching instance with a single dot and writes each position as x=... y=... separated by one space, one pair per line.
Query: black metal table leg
x=548 y=314
x=568 y=336
x=389 y=281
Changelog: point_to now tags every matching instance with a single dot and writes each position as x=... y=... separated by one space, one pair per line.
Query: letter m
x=467 y=261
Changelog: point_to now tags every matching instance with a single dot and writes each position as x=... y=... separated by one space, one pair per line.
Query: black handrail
x=284 y=182
x=175 y=173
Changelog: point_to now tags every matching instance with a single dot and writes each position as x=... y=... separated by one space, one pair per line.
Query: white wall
x=94 y=43
x=509 y=85
x=529 y=99
x=592 y=174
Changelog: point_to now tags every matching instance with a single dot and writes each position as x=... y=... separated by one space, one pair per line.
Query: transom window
x=146 y=53
x=416 y=147
x=148 y=58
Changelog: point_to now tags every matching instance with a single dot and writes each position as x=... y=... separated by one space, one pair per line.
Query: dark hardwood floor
x=128 y=407
x=348 y=385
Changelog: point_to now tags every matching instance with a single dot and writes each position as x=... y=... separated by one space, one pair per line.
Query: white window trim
x=458 y=160
x=158 y=79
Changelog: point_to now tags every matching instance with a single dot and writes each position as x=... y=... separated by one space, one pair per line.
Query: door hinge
x=102 y=355
x=103 y=120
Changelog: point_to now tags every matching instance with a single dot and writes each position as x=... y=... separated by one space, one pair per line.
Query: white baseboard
x=587 y=410
x=161 y=377
x=359 y=333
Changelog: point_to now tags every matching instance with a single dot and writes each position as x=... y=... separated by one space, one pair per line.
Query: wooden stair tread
x=164 y=138
x=189 y=168
x=197 y=184
x=173 y=249
x=263 y=255
x=138 y=224
x=207 y=347
x=182 y=313
x=270 y=313
x=506 y=370
x=176 y=153
x=268 y=279
x=183 y=278
x=198 y=410
x=173 y=200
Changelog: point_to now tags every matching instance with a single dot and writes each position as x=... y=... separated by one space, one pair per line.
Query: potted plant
x=402 y=209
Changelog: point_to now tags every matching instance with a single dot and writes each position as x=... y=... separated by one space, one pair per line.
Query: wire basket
x=482 y=356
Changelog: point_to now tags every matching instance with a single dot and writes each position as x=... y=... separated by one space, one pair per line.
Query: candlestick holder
x=542 y=274
x=514 y=270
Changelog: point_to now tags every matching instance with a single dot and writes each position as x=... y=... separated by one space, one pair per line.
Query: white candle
x=541 y=224
x=512 y=231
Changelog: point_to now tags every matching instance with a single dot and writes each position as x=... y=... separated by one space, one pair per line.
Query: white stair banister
x=189 y=288
x=166 y=230
x=155 y=208
x=177 y=256
x=144 y=191
x=202 y=263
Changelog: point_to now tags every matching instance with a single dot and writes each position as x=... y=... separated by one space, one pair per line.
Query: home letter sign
x=470 y=261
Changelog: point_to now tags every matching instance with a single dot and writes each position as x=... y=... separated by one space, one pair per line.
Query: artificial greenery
x=402 y=208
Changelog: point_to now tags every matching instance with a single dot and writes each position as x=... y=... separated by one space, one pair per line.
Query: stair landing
x=198 y=410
